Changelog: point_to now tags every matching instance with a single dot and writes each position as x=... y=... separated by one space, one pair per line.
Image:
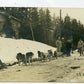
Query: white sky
x=77 y=13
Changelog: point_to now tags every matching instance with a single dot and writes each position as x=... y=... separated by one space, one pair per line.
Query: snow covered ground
x=10 y=47
x=63 y=69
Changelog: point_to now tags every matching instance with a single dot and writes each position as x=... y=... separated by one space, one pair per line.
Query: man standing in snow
x=59 y=44
x=68 y=47
x=80 y=47
x=63 y=45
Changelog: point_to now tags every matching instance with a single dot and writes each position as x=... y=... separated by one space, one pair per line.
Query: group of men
x=63 y=47
x=66 y=46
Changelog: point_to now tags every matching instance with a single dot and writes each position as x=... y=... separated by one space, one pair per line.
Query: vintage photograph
x=41 y=44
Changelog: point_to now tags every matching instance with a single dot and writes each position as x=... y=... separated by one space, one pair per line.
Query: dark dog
x=43 y=56
x=50 y=54
x=29 y=56
x=39 y=55
x=55 y=54
x=24 y=58
x=21 y=58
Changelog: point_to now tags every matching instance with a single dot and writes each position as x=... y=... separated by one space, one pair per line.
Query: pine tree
x=48 y=25
x=42 y=22
x=67 y=31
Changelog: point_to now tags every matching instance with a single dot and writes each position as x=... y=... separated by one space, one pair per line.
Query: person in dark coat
x=63 y=46
x=68 y=47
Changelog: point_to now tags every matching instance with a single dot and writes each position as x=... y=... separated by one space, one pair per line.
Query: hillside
x=10 y=47
x=62 y=69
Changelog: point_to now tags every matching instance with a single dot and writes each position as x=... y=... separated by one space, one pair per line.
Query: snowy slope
x=10 y=47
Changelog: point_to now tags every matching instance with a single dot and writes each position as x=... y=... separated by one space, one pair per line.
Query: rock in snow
x=10 y=47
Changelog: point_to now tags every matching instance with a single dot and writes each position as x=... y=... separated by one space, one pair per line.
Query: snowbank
x=10 y=47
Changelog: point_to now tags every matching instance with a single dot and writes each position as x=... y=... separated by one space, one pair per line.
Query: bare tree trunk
x=60 y=22
x=32 y=32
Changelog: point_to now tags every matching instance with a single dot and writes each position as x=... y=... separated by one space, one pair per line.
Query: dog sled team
x=42 y=56
x=63 y=49
x=28 y=58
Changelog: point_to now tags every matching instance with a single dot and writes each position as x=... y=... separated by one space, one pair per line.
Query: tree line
x=39 y=25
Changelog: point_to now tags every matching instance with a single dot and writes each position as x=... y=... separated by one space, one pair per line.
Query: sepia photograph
x=41 y=44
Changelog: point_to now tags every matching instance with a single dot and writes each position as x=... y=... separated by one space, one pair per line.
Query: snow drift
x=10 y=47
